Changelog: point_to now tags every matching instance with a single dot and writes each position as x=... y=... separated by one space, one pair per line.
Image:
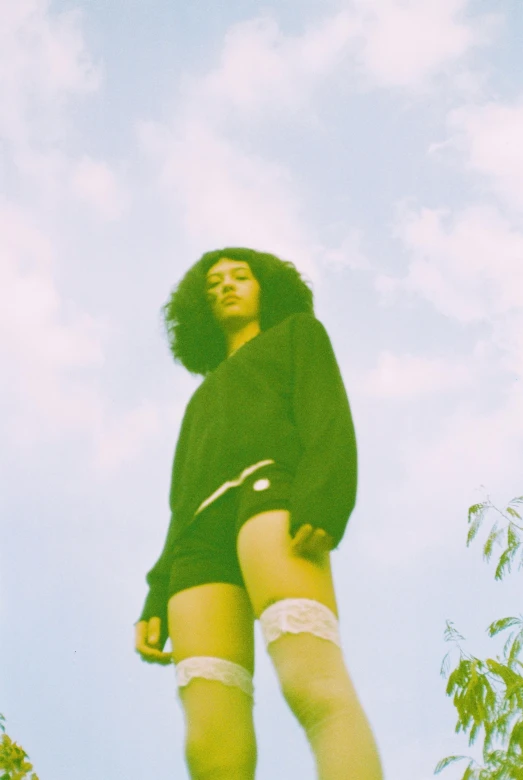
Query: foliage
x=488 y=694
x=13 y=759
x=475 y=518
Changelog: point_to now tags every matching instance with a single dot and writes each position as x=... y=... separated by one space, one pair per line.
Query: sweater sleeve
x=158 y=577
x=158 y=580
x=325 y=482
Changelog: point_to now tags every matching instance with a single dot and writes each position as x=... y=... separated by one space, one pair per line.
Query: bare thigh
x=214 y=619
x=272 y=571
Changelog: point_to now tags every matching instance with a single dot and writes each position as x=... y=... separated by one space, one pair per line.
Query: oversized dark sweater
x=281 y=397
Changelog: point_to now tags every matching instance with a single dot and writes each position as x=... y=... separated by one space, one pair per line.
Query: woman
x=263 y=484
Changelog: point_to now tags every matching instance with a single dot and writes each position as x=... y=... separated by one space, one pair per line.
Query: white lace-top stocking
x=297 y=615
x=214 y=669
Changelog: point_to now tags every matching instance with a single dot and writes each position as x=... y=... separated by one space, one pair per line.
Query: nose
x=228 y=287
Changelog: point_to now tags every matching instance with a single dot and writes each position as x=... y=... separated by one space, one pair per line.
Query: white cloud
x=371 y=43
x=121 y=440
x=51 y=350
x=260 y=68
x=227 y=196
x=95 y=183
x=507 y=335
x=468 y=266
x=469 y=449
x=410 y=376
x=349 y=254
x=41 y=335
x=44 y=64
x=52 y=353
x=488 y=138
x=43 y=61
x=405 y=43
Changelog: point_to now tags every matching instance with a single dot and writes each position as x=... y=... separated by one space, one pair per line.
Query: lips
x=229 y=299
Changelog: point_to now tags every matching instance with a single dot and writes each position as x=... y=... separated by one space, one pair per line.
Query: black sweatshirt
x=280 y=397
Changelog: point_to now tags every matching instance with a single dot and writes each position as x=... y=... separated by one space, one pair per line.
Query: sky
x=375 y=144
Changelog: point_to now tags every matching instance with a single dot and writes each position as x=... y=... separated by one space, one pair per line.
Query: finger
x=311 y=542
x=315 y=547
x=153 y=630
x=146 y=652
x=140 y=633
x=164 y=659
x=314 y=536
x=303 y=532
x=327 y=543
x=324 y=538
x=301 y=536
x=330 y=541
x=152 y=656
x=317 y=544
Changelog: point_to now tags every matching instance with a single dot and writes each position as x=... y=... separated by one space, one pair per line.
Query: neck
x=238 y=338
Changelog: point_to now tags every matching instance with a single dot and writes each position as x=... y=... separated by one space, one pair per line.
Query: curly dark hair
x=195 y=337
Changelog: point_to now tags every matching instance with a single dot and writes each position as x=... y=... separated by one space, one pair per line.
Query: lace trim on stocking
x=295 y=616
x=211 y=668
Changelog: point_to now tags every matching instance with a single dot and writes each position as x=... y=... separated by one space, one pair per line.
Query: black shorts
x=206 y=550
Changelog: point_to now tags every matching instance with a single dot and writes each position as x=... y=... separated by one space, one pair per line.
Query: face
x=228 y=278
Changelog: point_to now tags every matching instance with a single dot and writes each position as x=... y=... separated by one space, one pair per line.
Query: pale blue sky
x=376 y=144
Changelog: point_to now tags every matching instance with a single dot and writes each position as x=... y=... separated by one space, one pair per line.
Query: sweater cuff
x=156 y=606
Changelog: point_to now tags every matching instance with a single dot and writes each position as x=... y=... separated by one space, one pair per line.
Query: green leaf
x=474 y=509
x=502 y=670
x=475 y=516
x=445 y=666
x=460 y=675
x=492 y=537
x=445 y=762
x=513 y=536
x=513 y=512
x=508 y=644
x=505 y=562
x=515 y=650
x=451 y=633
x=474 y=733
x=489 y=734
x=513 y=687
x=469 y=772
x=516 y=738
x=474 y=528
x=502 y=624
x=490 y=698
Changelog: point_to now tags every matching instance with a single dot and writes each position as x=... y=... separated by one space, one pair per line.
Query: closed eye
x=213 y=284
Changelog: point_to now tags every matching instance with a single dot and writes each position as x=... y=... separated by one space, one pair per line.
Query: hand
x=311 y=542
x=148 y=640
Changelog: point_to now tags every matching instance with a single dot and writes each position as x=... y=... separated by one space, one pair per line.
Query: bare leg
x=344 y=746
x=323 y=699
x=209 y=624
